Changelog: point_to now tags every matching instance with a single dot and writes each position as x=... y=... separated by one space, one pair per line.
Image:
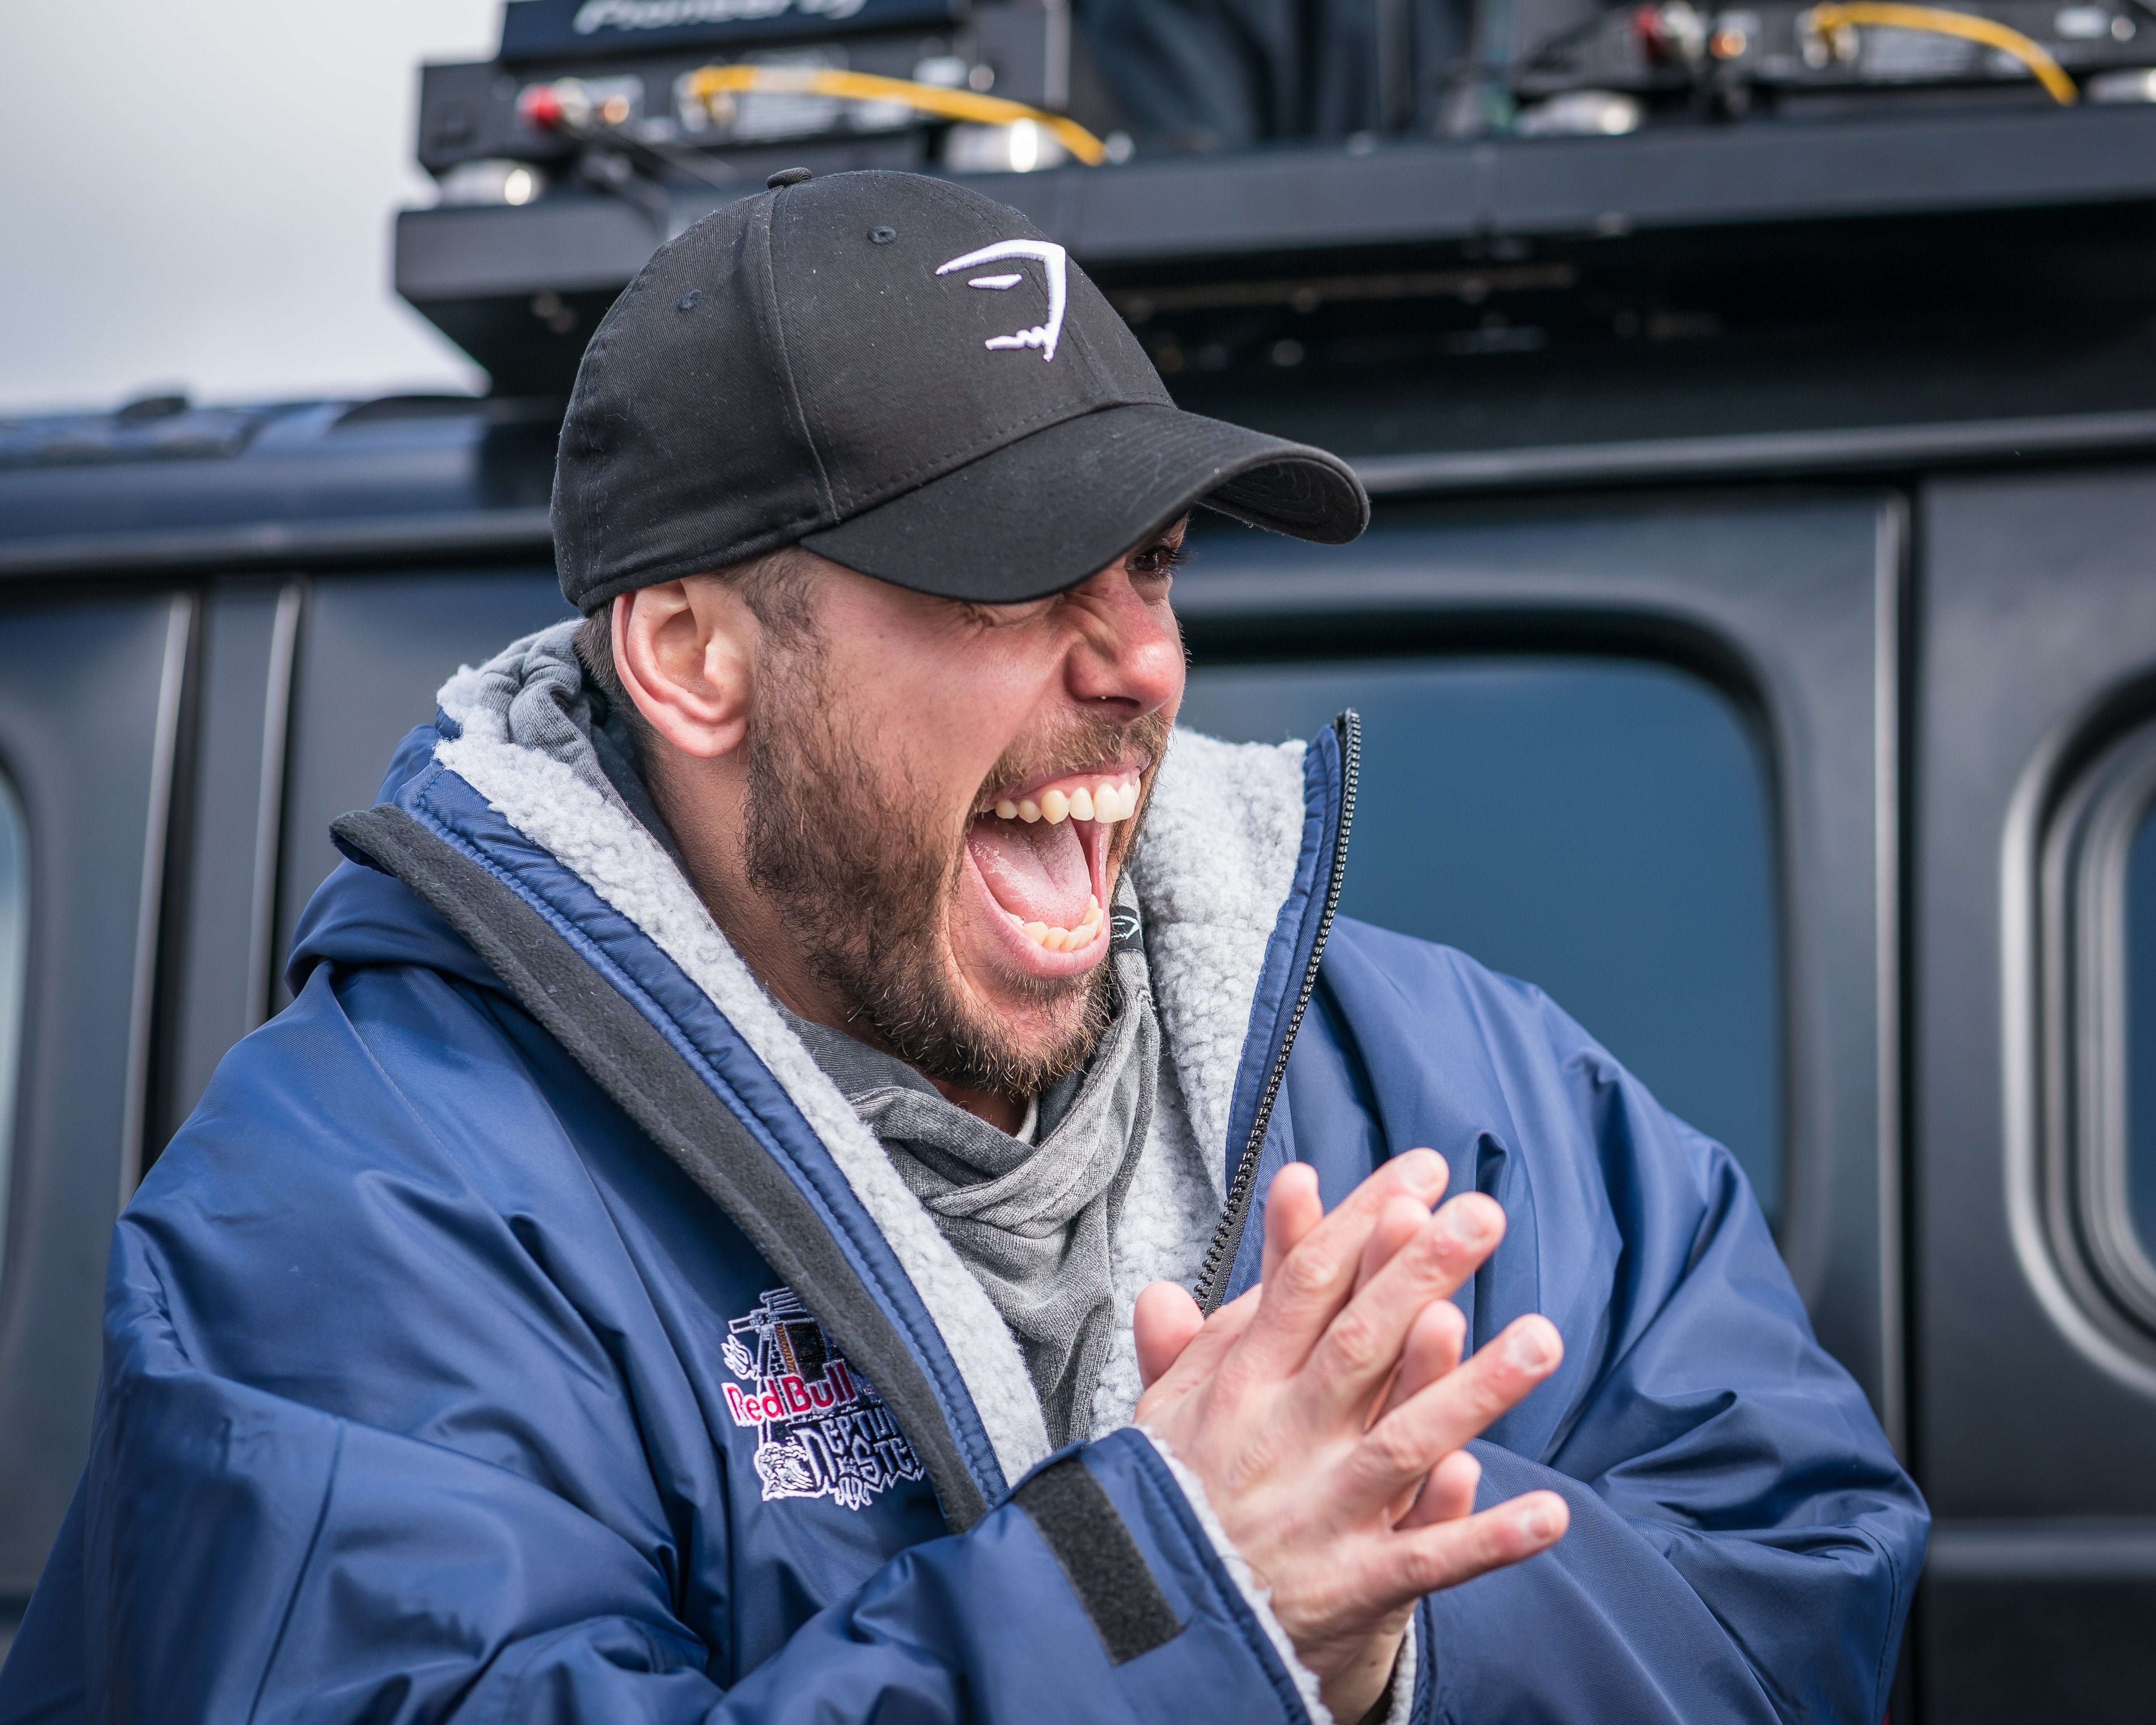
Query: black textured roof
x=164 y=481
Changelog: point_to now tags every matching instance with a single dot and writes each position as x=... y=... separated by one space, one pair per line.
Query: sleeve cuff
x=1259 y=1597
x=1404 y=1673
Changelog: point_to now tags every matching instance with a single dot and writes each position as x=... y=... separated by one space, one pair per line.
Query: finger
x=1435 y=1340
x=1407 y=1443
x=1424 y=1559
x=1203 y=1354
x=1446 y=1250
x=1400 y=1220
x=1315 y=1277
x=1448 y=1494
x=1293 y=1207
x=1433 y=1348
x=1165 y=1323
x=1363 y=1343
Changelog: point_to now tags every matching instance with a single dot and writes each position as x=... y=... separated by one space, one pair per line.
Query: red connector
x=539 y=106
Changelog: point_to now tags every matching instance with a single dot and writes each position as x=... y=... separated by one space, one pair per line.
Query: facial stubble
x=865 y=874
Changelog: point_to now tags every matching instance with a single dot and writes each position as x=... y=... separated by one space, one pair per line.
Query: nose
x=1128 y=652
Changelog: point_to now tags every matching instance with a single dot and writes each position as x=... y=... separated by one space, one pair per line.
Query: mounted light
x=492 y=181
x=1581 y=113
x=1018 y=148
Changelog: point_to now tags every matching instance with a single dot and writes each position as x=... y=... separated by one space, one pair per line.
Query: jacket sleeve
x=1743 y=1542
x=359 y=1454
x=250 y=1558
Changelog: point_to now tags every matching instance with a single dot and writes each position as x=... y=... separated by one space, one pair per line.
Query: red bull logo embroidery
x=822 y=1430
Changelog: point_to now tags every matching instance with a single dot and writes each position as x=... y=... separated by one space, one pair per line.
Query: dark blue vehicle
x=1759 y=655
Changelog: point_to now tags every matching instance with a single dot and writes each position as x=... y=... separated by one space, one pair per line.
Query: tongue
x=1036 y=872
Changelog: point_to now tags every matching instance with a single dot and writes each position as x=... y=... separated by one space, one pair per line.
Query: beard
x=864 y=875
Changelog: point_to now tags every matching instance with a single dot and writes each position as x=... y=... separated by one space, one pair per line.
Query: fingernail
x=1527 y=1348
x=1539 y=1525
x=1464 y=1223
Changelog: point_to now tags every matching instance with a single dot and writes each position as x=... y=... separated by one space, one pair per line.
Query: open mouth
x=1042 y=852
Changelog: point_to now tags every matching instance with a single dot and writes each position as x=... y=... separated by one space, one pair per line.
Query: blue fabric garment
x=432 y=1389
x=1731 y=1493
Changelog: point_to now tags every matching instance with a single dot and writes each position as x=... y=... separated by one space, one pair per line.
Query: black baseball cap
x=909 y=379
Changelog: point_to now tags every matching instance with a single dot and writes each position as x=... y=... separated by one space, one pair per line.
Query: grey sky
x=199 y=194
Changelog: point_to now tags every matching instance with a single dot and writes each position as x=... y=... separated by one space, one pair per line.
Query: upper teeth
x=1107 y=800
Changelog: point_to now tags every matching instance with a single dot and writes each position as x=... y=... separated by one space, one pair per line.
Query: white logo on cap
x=1052 y=256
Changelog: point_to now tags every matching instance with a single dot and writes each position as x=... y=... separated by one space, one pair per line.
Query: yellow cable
x=923 y=97
x=1941 y=21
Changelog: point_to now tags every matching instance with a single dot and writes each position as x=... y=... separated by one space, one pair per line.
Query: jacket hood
x=359 y=916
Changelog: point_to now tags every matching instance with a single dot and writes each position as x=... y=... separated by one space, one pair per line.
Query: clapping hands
x=1326 y=1412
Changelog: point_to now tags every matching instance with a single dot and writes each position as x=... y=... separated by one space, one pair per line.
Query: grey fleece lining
x=1223 y=829
x=1032 y=1222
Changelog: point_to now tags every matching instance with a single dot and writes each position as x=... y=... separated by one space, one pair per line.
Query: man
x=751 y=1102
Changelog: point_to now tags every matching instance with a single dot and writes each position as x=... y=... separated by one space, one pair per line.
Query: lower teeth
x=1062 y=940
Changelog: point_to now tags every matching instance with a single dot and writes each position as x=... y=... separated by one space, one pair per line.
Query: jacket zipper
x=1228 y=1235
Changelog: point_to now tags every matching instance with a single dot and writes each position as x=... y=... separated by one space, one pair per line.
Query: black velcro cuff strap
x=1080 y=1524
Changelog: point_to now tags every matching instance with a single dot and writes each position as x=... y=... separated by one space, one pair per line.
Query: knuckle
x=1395 y=1450
x=1441 y=1559
x=1481 y=1546
x=1238 y=1376
x=1353 y=1345
x=1489 y=1381
x=1484 y=1400
x=1429 y=1255
x=1470 y=1398
x=1305 y=1276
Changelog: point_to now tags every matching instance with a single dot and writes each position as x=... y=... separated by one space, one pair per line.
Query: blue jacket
x=509 y=1336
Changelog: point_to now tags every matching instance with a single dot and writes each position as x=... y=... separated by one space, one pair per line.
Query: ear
x=685 y=650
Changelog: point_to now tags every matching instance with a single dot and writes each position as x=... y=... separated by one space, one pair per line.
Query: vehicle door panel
x=90 y=695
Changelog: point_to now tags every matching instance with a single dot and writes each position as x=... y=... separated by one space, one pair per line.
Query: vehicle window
x=2141 y=1031
x=2099 y=1020
x=14 y=944
x=1597 y=827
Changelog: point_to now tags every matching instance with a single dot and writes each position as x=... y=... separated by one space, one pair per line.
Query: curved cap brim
x=1042 y=514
